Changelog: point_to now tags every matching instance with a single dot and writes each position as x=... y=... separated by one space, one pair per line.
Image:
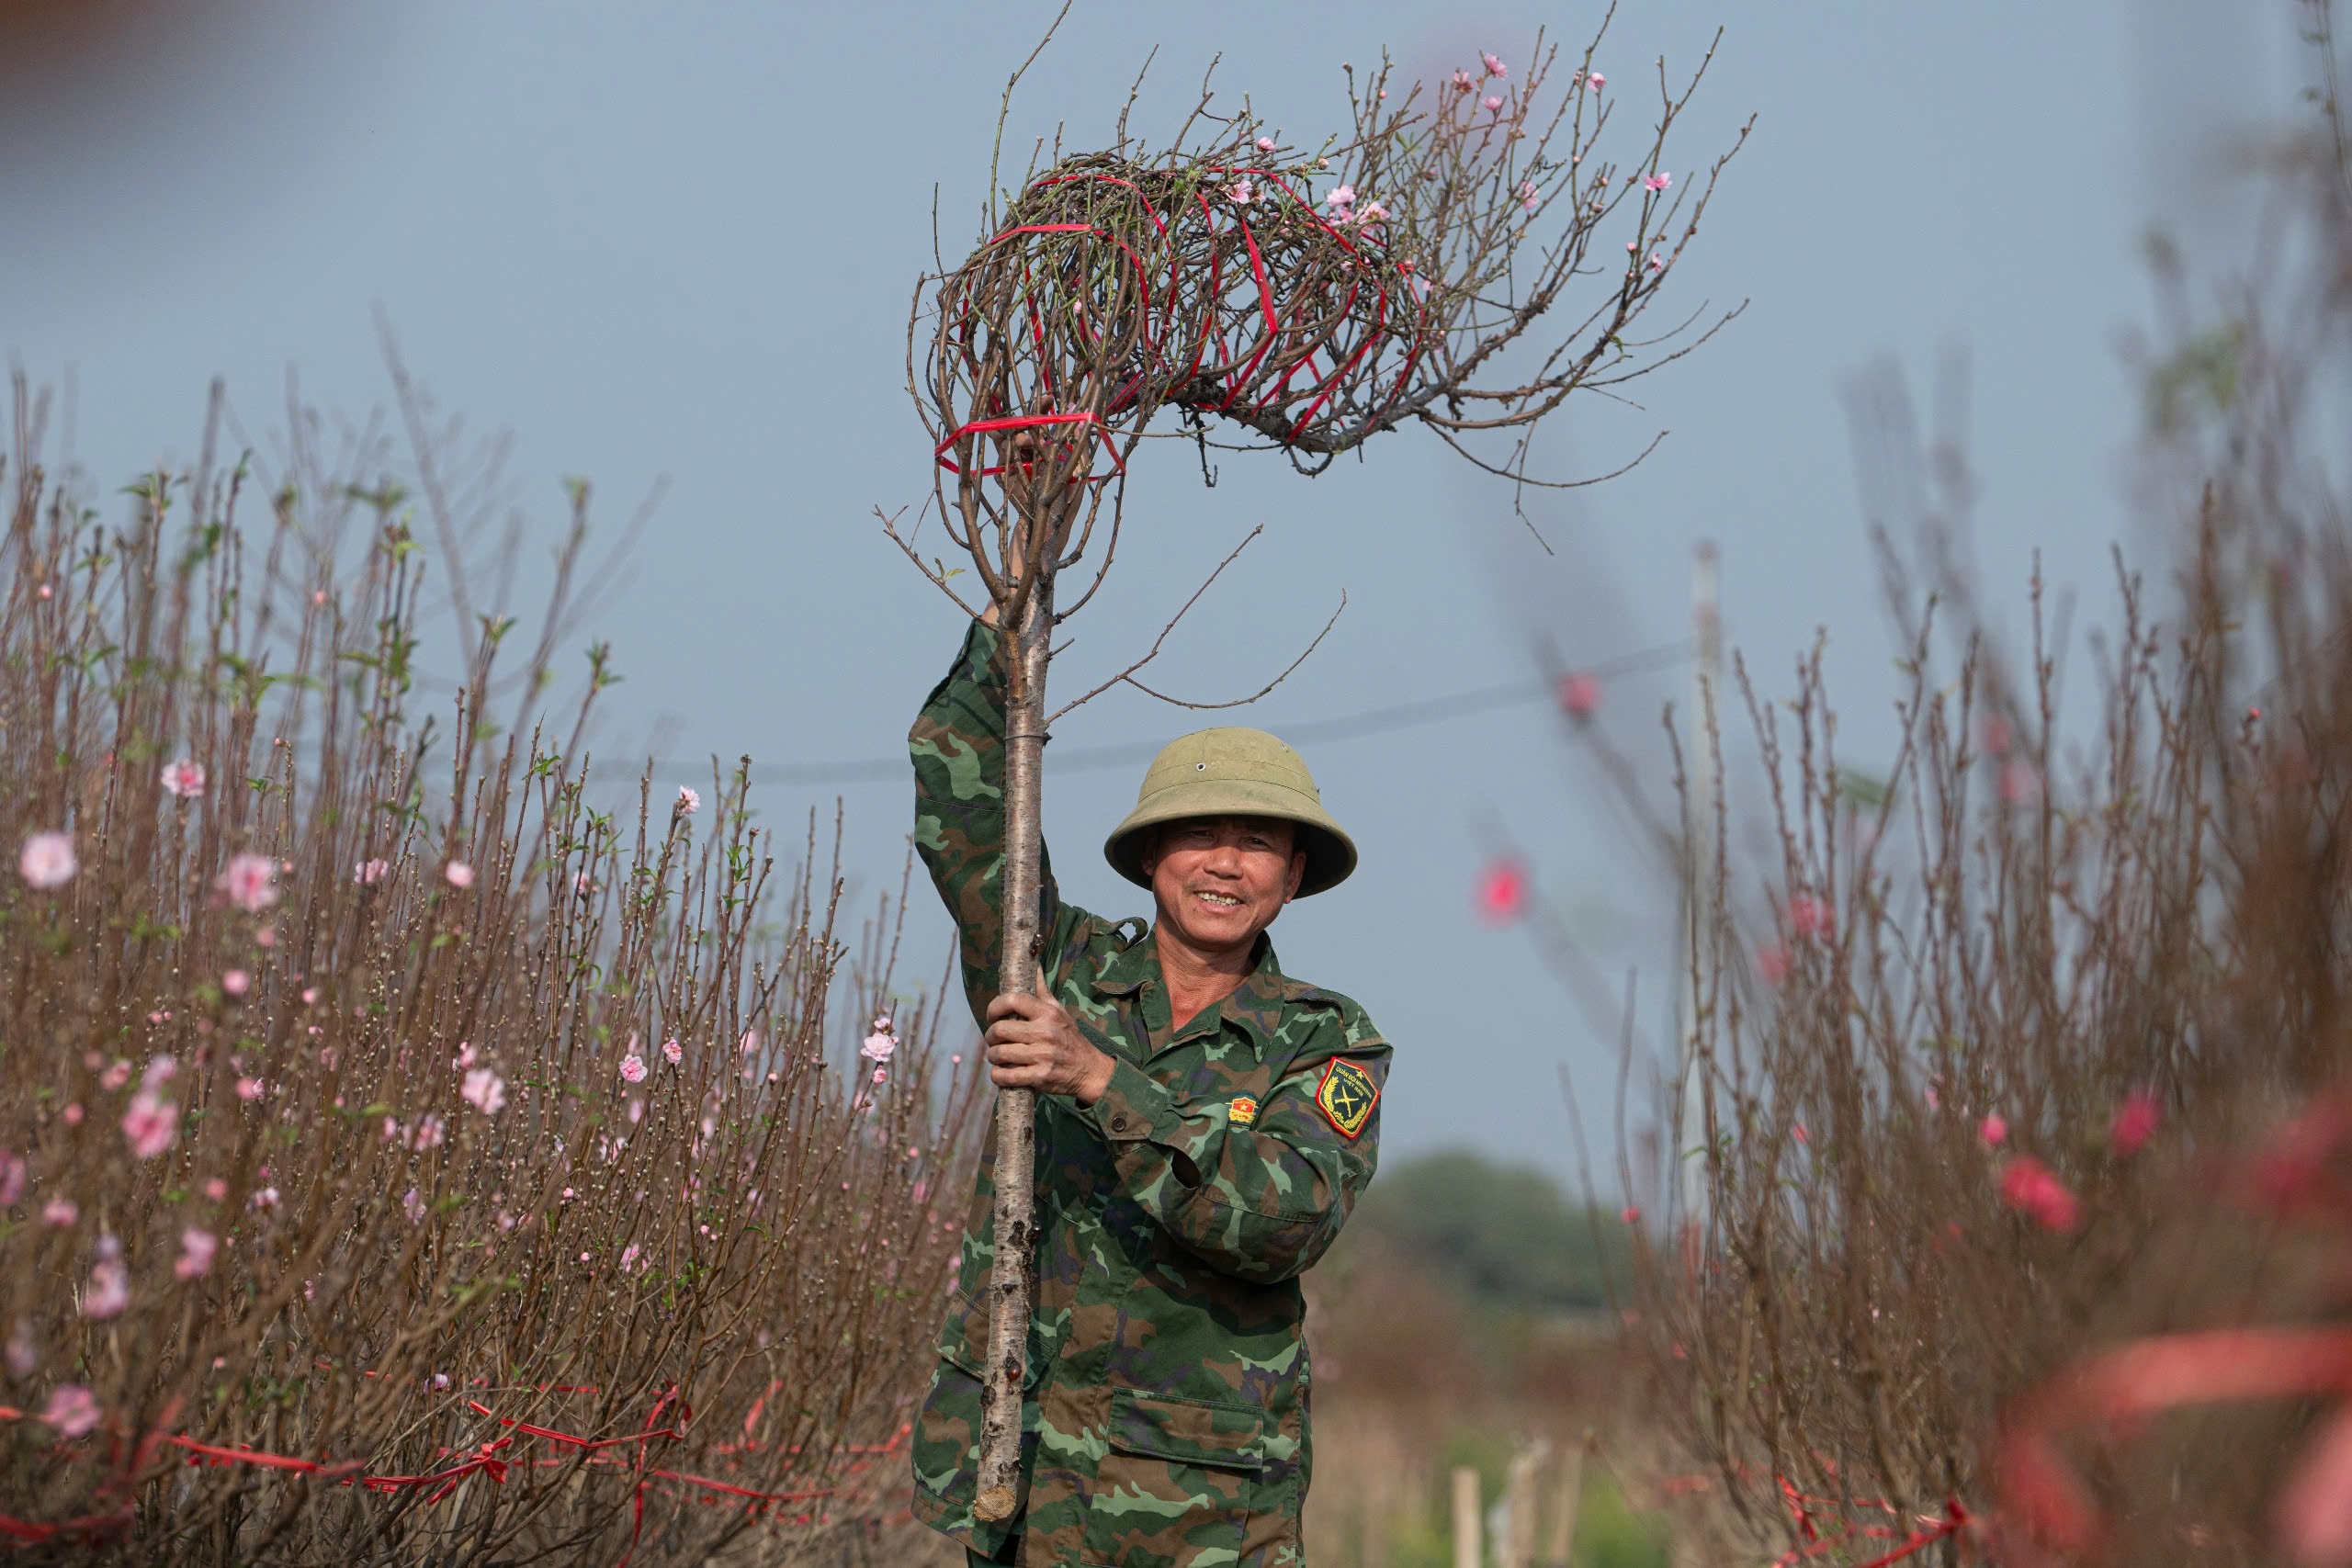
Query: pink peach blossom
x=1242 y=192
x=109 y=1288
x=1596 y=81
x=12 y=1180
x=1659 y=181
x=250 y=882
x=1994 y=1130
x=671 y=1052
x=71 y=1409
x=1579 y=695
x=152 y=1124
x=1527 y=198
x=47 y=860
x=689 y=801
x=633 y=1068
x=60 y=1212
x=1265 y=144
x=367 y=872
x=183 y=778
x=1462 y=82
x=248 y=1088
x=1502 y=891
x=196 y=1247
x=458 y=873
x=1809 y=916
x=2029 y=1186
x=485 y=1091
x=236 y=982
x=1341 y=196
x=1495 y=68
x=2134 y=1122
x=1491 y=104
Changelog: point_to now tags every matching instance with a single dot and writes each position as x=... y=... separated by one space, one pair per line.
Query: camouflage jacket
x=1165 y=1420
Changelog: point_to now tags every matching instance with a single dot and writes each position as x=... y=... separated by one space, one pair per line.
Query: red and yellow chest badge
x=1346 y=1096
x=1242 y=1111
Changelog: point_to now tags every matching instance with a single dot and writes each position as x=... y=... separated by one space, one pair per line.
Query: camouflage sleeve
x=1263 y=1201
x=957 y=746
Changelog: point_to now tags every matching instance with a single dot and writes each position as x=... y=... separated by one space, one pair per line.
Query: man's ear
x=1297 y=875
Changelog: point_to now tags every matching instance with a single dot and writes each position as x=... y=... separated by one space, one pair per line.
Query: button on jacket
x=1164 y=1422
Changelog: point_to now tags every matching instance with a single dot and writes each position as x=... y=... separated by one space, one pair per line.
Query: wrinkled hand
x=1033 y=1044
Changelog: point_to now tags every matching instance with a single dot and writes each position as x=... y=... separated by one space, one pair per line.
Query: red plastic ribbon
x=1321 y=386
x=488 y=1458
x=2138 y=1380
x=1026 y=421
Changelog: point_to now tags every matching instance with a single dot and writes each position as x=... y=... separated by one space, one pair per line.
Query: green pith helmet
x=1233 y=772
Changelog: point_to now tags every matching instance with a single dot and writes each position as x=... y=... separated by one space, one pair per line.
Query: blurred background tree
x=1504 y=1237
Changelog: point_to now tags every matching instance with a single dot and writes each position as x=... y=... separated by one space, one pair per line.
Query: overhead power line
x=1127 y=753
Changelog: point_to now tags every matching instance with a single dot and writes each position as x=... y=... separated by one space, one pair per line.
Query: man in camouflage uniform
x=1204 y=1123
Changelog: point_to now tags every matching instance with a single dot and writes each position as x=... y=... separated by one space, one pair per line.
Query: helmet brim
x=1330 y=854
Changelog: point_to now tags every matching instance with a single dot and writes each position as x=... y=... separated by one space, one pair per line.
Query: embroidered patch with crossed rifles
x=1242 y=1111
x=1346 y=1096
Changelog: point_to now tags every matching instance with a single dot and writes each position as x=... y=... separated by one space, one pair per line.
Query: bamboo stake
x=1014 y=1237
x=1564 y=1522
x=1468 y=1552
x=1517 y=1547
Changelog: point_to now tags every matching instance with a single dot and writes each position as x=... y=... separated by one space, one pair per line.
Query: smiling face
x=1221 y=880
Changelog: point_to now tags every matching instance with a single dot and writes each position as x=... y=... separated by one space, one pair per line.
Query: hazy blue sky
x=680 y=241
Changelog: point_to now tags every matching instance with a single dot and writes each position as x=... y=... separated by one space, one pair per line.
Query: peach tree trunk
x=1015 y=1221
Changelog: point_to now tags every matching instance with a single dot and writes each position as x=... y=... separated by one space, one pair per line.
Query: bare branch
x=1153 y=653
x=1244 y=702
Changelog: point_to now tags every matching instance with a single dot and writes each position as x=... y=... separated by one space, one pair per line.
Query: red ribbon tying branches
x=1932 y=1528
x=1321 y=389
x=1025 y=421
x=487 y=1458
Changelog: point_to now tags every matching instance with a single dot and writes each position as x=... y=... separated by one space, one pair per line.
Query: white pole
x=1698 y=878
x=1468 y=1550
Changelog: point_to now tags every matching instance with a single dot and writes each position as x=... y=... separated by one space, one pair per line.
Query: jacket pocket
x=964 y=1336
x=1178 y=1484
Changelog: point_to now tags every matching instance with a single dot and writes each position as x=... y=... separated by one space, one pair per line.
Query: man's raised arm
x=957 y=748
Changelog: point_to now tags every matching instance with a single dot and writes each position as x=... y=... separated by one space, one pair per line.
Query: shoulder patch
x=1346 y=1096
x=1242 y=1111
